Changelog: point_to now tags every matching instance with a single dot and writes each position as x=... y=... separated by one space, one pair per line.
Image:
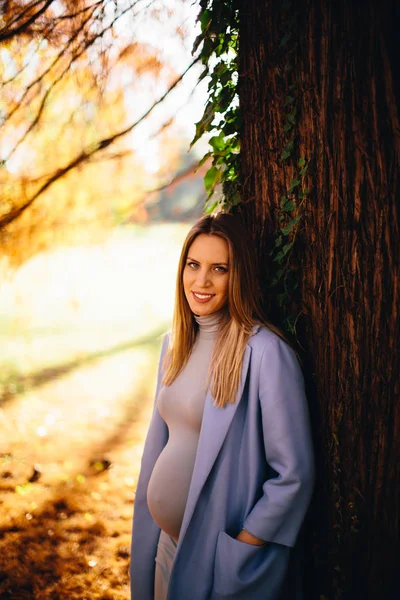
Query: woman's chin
x=202 y=310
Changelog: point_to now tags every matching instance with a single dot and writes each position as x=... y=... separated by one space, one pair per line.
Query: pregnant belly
x=169 y=483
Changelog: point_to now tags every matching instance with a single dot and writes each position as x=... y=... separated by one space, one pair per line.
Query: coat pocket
x=246 y=572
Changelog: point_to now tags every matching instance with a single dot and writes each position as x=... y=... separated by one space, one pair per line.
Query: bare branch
x=21 y=28
x=176 y=179
x=79 y=53
x=79 y=12
x=47 y=93
x=49 y=68
x=85 y=155
x=19 y=16
x=25 y=66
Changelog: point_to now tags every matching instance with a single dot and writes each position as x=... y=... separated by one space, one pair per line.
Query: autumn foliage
x=76 y=80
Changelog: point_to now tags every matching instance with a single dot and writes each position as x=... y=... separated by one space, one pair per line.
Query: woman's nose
x=203 y=278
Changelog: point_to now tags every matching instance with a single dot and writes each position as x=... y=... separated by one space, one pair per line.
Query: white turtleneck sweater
x=181 y=405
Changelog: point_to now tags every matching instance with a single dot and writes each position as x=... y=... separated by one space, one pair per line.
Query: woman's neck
x=209 y=324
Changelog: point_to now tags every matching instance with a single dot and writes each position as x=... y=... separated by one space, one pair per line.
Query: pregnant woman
x=227 y=470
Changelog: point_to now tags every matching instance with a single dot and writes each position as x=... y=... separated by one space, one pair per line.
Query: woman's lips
x=202 y=298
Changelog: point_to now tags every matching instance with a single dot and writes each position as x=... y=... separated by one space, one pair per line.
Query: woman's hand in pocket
x=249 y=538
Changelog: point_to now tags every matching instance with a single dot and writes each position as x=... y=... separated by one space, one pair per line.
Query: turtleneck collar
x=208 y=324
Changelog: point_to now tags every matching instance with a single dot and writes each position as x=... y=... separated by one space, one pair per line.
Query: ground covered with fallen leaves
x=70 y=447
x=80 y=333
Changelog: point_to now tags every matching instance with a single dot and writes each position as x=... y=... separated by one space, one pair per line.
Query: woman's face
x=206 y=274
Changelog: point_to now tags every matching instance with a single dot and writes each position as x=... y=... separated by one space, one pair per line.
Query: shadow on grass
x=57 y=554
x=16 y=385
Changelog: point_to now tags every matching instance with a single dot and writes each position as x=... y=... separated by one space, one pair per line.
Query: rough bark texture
x=344 y=56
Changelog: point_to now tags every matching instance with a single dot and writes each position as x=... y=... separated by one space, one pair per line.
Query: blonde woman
x=227 y=471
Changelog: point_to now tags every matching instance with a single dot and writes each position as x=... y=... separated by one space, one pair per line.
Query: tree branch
x=19 y=16
x=48 y=69
x=176 y=179
x=20 y=29
x=88 y=153
x=77 y=53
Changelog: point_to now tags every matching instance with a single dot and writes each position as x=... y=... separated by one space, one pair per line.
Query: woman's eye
x=218 y=268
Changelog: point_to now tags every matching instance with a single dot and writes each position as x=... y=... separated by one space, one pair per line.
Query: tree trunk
x=336 y=63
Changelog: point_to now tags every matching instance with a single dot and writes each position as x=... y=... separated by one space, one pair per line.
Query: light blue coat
x=254 y=469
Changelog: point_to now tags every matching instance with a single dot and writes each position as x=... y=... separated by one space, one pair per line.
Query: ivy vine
x=285 y=278
x=219 y=53
x=219 y=20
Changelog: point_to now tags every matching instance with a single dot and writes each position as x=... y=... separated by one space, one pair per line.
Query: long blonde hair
x=242 y=312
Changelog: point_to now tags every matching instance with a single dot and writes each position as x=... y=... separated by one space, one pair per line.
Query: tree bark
x=339 y=64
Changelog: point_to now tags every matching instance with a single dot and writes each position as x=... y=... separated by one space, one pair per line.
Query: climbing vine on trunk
x=222 y=119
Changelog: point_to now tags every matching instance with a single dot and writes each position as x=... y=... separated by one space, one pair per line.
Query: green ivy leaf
x=281 y=298
x=217 y=142
x=211 y=178
x=206 y=51
x=286 y=248
x=289 y=206
x=291 y=116
x=205 y=121
x=197 y=42
x=235 y=199
x=294 y=183
x=287 y=151
x=225 y=98
x=204 y=74
x=229 y=129
x=290 y=322
x=204 y=159
x=289 y=100
x=219 y=27
x=226 y=77
x=205 y=20
x=211 y=208
x=302 y=162
x=303 y=193
x=277 y=278
x=288 y=228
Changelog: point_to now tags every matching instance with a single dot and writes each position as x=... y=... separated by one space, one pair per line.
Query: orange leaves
x=73 y=80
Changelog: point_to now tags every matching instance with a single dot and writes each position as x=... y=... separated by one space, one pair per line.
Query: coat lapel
x=215 y=425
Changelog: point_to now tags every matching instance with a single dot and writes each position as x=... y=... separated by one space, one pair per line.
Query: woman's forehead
x=209 y=248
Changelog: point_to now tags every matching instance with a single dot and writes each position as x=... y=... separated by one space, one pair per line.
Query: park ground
x=76 y=394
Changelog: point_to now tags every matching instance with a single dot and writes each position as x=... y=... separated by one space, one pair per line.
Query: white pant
x=164 y=560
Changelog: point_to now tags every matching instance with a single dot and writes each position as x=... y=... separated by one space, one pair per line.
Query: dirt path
x=69 y=457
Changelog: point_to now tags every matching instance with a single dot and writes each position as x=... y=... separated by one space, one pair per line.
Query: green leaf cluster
x=221 y=118
x=284 y=280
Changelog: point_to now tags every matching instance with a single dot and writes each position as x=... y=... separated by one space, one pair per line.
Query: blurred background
x=98 y=188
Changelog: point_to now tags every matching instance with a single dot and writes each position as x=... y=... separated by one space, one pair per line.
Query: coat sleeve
x=145 y=531
x=278 y=515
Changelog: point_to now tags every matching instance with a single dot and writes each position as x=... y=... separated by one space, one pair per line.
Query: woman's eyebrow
x=213 y=264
